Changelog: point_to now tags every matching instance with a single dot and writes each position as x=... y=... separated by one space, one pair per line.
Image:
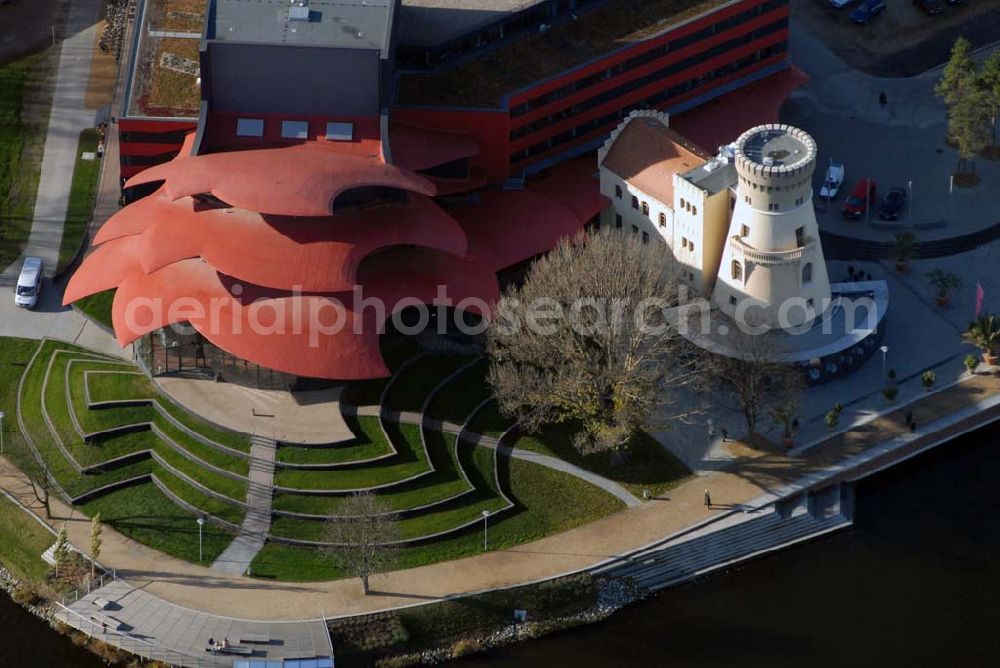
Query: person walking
x=725 y=435
x=708 y=499
x=882 y=99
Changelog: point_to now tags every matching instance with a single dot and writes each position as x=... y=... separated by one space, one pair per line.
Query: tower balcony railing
x=770 y=257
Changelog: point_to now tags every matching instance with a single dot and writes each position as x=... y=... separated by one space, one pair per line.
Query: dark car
x=930 y=6
x=892 y=204
x=867 y=10
x=862 y=196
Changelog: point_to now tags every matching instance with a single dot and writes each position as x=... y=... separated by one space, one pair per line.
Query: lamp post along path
x=1 y=431
x=486 y=518
x=201 y=523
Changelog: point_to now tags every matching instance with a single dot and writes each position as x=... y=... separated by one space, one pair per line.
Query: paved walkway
x=68 y=117
x=302 y=417
x=135 y=615
x=895 y=145
x=236 y=558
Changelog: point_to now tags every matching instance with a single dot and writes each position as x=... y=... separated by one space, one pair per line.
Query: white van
x=29 y=283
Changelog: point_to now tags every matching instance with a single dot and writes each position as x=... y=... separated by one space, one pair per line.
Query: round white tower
x=772 y=254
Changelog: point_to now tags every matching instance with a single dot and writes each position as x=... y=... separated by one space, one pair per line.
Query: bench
x=102 y=603
x=232 y=649
x=258 y=638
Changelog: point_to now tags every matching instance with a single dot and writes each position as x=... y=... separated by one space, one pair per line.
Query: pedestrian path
x=148 y=625
x=236 y=558
x=69 y=116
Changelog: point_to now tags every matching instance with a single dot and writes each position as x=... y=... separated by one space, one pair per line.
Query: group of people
x=858 y=275
x=216 y=646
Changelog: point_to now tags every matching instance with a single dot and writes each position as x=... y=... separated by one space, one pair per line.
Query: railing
x=770 y=257
x=89 y=586
x=139 y=646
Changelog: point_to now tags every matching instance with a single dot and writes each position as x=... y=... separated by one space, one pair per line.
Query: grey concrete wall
x=261 y=78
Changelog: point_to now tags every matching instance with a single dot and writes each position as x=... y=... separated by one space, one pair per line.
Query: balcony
x=770 y=257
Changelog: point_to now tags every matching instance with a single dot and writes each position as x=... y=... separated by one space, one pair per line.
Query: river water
x=915 y=583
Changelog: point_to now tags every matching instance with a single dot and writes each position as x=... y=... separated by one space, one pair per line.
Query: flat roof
x=433 y=22
x=345 y=24
x=484 y=79
x=714 y=176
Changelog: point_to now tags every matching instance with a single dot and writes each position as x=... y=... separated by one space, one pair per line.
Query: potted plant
x=984 y=333
x=906 y=242
x=890 y=392
x=786 y=415
x=971 y=363
x=943 y=282
x=833 y=417
x=928 y=378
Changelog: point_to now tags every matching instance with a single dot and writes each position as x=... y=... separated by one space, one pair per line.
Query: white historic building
x=663 y=187
x=772 y=255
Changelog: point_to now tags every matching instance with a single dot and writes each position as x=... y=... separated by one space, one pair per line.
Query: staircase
x=236 y=558
x=736 y=537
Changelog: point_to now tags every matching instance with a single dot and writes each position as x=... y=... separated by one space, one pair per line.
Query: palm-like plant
x=906 y=243
x=943 y=282
x=984 y=333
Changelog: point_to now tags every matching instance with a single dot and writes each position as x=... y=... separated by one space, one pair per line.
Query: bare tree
x=38 y=477
x=752 y=378
x=364 y=538
x=586 y=339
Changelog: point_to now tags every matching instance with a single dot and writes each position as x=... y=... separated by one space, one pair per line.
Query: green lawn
x=456 y=400
x=97 y=307
x=396 y=348
x=478 y=465
x=145 y=514
x=645 y=464
x=82 y=193
x=547 y=502
x=25 y=95
x=443 y=483
x=22 y=541
x=409 y=461
x=410 y=389
x=359 y=449
x=489 y=421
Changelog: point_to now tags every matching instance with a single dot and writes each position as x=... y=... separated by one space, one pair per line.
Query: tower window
x=663 y=219
x=694 y=210
x=744 y=230
x=737 y=270
x=618 y=221
x=618 y=192
x=807 y=273
x=645 y=237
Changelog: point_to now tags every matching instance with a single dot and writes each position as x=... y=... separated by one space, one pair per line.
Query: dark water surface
x=915 y=583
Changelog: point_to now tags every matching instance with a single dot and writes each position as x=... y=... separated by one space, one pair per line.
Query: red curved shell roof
x=419 y=148
x=300 y=180
x=231 y=272
x=317 y=254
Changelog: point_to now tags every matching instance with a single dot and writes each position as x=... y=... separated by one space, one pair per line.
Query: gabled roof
x=646 y=154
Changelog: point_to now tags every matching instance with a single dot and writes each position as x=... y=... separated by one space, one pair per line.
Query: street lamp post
x=486 y=529
x=909 y=200
x=868 y=200
x=1 y=432
x=201 y=523
x=951 y=199
x=885 y=351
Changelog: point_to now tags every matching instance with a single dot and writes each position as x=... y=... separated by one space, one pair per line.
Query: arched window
x=663 y=219
x=645 y=209
x=694 y=210
x=737 y=270
x=618 y=192
x=635 y=202
x=807 y=272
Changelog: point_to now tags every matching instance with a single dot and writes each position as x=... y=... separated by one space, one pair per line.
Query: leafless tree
x=752 y=378
x=586 y=339
x=37 y=475
x=363 y=538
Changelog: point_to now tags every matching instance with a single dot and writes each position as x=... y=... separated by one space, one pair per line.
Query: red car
x=857 y=202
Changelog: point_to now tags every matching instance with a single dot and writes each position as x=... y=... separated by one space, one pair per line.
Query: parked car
x=862 y=196
x=867 y=10
x=932 y=7
x=840 y=3
x=29 y=283
x=834 y=179
x=892 y=204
